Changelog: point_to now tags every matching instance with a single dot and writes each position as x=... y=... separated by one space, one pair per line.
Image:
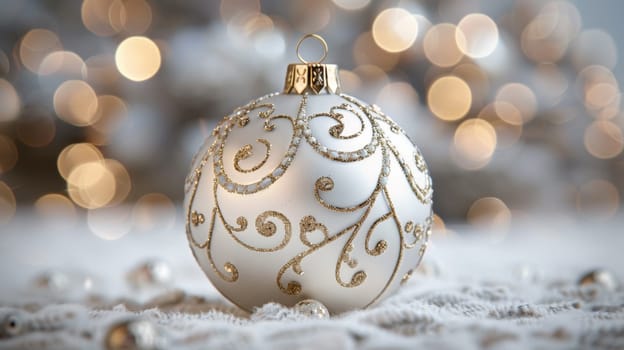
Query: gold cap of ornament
x=312 y=77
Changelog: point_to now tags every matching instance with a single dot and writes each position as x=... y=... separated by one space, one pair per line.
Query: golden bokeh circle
x=36 y=45
x=489 y=212
x=603 y=139
x=10 y=102
x=440 y=45
x=74 y=155
x=91 y=185
x=153 y=211
x=476 y=35
x=138 y=58
x=76 y=103
x=521 y=97
x=55 y=206
x=474 y=143
x=395 y=29
x=449 y=98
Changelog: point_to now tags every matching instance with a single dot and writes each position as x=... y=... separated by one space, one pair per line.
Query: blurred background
x=516 y=105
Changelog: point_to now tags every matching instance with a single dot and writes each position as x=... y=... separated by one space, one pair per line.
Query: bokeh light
x=110 y=223
x=365 y=51
x=474 y=143
x=440 y=45
x=598 y=198
x=370 y=73
x=476 y=87
x=506 y=120
x=551 y=83
x=135 y=16
x=101 y=70
x=270 y=43
x=92 y=181
x=546 y=38
x=601 y=95
x=62 y=61
x=74 y=155
x=123 y=183
x=351 y=4
x=91 y=185
x=476 y=78
x=5 y=64
x=153 y=211
x=36 y=45
x=595 y=74
x=8 y=154
x=508 y=112
x=111 y=112
x=232 y=10
x=349 y=81
x=449 y=98
x=310 y=16
x=111 y=109
x=56 y=207
x=476 y=35
x=137 y=58
x=603 y=139
x=438 y=226
x=7 y=203
x=10 y=103
x=594 y=47
x=110 y=17
x=489 y=213
x=76 y=103
x=395 y=29
x=257 y=23
x=521 y=97
x=396 y=97
x=95 y=16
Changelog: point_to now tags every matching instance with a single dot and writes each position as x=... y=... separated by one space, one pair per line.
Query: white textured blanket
x=65 y=289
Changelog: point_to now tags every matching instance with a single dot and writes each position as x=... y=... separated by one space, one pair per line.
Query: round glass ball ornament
x=308 y=194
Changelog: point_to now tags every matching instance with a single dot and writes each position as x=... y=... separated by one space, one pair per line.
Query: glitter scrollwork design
x=365 y=137
x=422 y=192
x=338 y=114
x=265 y=111
x=309 y=224
x=367 y=117
x=326 y=184
x=382 y=244
x=265 y=226
x=246 y=152
x=231 y=271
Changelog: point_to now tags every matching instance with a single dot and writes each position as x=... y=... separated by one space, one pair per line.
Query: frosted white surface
x=516 y=291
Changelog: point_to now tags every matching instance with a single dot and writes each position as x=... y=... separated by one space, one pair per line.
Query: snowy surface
x=516 y=290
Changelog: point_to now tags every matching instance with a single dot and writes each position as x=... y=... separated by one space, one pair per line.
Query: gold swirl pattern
x=309 y=224
x=337 y=130
x=231 y=274
x=325 y=184
x=246 y=152
x=372 y=123
x=381 y=245
x=224 y=180
x=264 y=227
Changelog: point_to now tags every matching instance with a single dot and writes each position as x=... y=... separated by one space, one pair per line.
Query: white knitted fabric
x=515 y=291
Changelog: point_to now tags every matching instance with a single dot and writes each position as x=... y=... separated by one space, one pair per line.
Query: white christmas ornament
x=308 y=194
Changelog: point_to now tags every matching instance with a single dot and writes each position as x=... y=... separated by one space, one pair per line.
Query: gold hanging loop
x=312 y=77
x=319 y=39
